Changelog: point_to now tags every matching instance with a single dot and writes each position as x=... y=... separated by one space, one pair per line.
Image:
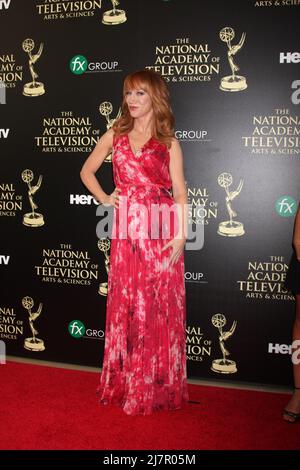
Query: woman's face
x=139 y=103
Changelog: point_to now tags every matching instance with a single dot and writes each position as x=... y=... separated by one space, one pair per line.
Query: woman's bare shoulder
x=108 y=137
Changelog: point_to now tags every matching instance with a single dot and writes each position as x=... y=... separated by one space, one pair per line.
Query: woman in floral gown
x=144 y=367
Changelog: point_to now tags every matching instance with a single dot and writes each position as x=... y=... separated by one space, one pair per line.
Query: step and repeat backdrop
x=232 y=68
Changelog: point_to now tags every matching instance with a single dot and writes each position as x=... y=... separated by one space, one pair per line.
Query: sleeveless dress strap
x=116 y=139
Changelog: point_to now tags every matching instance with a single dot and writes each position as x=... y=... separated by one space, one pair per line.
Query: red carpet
x=50 y=408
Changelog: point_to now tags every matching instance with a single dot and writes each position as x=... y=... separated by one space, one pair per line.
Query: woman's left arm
x=180 y=198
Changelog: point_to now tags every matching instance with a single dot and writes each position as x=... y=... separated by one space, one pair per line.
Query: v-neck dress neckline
x=140 y=150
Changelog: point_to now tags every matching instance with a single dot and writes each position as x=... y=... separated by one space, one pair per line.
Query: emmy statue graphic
x=34 y=343
x=105 y=109
x=33 y=88
x=104 y=245
x=114 y=16
x=230 y=228
x=223 y=366
x=32 y=219
x=232 y=82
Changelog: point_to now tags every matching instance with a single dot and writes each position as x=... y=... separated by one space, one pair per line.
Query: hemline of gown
x=141 y=410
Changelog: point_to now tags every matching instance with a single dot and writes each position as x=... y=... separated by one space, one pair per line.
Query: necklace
x=137 y=151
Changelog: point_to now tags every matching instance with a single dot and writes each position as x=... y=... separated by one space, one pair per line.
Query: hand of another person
x=112 y=199
x=178 y=246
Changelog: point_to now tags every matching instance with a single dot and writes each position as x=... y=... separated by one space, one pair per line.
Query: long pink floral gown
x=144 y=367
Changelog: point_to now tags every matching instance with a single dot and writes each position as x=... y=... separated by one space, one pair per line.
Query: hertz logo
x=82 y=199
x=289 y=57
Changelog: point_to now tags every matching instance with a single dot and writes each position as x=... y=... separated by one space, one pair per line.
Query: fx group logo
x=286 y=206
x=78 y=64
x=191 y=135
x=76 y=328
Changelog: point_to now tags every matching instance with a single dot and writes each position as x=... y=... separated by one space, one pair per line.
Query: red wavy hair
x=153 y=83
